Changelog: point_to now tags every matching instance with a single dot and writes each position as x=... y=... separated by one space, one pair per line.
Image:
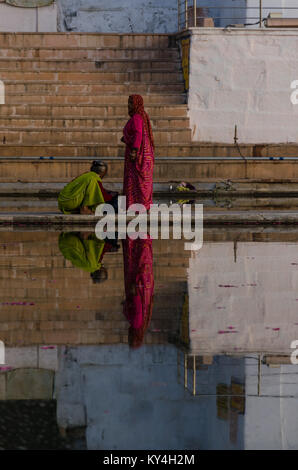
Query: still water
x=143 y=345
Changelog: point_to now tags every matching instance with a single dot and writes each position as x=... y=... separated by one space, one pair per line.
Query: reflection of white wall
x=43 y=357
x=254 y=294
x=28 y=372
x=132 y=400
x=271 y=421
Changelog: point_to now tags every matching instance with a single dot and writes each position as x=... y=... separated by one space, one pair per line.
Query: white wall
x=17 y=19
x=243 y=77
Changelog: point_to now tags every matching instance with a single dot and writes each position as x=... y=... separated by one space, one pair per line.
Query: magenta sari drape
x=139 y=282
x=138 y=174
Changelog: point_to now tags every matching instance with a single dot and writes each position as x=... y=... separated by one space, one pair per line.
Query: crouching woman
x=84 y=193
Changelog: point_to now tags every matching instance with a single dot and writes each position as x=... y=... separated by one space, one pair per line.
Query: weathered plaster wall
x=17 y=19
x=243 y=77
x=118 y=16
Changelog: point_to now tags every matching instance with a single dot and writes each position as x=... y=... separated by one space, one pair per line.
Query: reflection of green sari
x=82 y=191
x=84 y=254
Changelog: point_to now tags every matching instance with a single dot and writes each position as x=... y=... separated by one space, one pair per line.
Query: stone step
x=89 y=135
x=167 y=168
x=243 y=193
x=104 y=88
x=93 y=40
x=94 y=123
x=73 y=99
x=42 y=92
x=89 y=53
x=89 y=110
x=44 y=205
x=213 y=219
x=91 y=150
x=89 y=65
x=68 y=76
x=27 y=205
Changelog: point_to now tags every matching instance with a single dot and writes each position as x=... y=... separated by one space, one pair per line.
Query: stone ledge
x=209 y=188
x=210 y=218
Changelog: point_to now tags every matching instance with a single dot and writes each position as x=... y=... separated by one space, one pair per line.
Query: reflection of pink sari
x=139 y=287
x=138 y=174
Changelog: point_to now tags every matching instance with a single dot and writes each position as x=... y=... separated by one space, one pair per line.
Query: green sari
x=82 y=191
x=84 y=254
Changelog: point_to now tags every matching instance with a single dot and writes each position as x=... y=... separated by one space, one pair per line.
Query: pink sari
x=138 y=174
x=139 y=287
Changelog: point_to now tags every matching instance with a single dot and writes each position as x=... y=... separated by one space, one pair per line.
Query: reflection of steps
x=66 y=307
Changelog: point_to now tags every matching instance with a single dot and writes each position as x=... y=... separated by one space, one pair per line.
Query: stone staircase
x=66 y=104
x=66 y=94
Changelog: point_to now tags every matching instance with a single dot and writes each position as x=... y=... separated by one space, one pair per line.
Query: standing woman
x=139 y=155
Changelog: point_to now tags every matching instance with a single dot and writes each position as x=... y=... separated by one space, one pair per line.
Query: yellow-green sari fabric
x=84 y=254
x=82 y=191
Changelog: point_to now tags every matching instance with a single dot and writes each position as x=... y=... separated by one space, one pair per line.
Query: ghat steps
x=68 y=90
x=66 y=98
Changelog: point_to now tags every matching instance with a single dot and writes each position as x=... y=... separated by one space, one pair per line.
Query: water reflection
x=139 y=287
x=192 y=385
x=86 y=251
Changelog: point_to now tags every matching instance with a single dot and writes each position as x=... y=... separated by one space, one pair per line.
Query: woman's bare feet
x=85 y=211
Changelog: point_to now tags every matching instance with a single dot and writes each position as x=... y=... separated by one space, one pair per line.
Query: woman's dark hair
x=98 y=166
x=99 y=276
